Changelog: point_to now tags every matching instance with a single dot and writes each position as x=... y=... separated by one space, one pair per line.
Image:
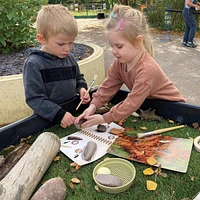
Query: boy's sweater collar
x=37 y=51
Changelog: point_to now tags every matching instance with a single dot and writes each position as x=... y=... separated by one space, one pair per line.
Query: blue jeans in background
x=190 y=24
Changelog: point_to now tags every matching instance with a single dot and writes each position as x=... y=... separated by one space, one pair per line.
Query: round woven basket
x=120 y=168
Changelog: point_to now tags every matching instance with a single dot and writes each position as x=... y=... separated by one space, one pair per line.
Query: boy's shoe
x=184 y=44
x=191 y=44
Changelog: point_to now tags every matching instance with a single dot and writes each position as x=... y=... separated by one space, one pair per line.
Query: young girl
x=128 y=34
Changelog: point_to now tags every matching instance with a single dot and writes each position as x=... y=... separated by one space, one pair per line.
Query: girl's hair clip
x=121 y=24
x=112 y=15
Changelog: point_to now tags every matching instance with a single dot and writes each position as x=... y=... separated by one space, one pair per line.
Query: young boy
x=51 y=74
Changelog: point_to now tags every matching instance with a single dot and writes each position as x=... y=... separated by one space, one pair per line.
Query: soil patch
x=12 y=63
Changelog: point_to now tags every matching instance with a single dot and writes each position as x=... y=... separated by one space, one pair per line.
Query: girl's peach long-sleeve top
x=145 y=80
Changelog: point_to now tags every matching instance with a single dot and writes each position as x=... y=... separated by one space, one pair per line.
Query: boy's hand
x=67 y=120
x=84 y=95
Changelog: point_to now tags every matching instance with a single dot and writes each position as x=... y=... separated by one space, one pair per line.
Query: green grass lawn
x=176 y=186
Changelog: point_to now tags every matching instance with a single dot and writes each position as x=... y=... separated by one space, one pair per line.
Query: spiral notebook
x=73 y=145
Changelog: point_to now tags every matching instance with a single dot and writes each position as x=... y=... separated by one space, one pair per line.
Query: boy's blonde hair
x=132 y=23
x=55 y=19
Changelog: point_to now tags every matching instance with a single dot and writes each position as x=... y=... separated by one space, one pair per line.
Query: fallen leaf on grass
x=24 y=139
x=71 y=185
x=97 y=188
x=195 y=125
x=158 y=171
x=134 y=114
x=57 y=158
x=151 y=185
x=8 y=148
x=77 y=167
x=151 y=161
x=143 y=128
x=148 y=171
x=73 y=164
x=163 y=174
x=134 y=120
x=75 y=180
x=73 y=170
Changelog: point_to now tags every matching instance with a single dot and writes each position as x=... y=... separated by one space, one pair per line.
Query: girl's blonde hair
x=132 y=23
x=55 y=19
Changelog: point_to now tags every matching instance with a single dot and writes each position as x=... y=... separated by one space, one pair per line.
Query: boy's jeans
x=190 y=24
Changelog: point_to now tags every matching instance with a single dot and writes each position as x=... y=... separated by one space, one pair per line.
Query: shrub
x=16 y=23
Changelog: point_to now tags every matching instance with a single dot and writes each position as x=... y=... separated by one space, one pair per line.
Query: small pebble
x=108 y=180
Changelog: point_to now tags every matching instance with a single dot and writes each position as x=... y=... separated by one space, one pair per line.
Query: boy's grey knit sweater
x=50 y=81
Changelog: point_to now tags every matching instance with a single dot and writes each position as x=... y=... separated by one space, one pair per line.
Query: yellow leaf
x=148 y=171
x=151 y=185
x=143 y=128
x=77 y=167
x=134 y=114
x=75 y=180
x=57 y=158
x=71 y=185
x=151 y=161
x=73 y=164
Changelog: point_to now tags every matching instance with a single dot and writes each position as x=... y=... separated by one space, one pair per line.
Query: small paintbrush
x=91 y=84
x=140 y=135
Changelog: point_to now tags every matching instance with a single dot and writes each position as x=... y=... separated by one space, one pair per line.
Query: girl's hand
x=84 y=95
x=87 y=112
x=67 y=120
x=93 y=120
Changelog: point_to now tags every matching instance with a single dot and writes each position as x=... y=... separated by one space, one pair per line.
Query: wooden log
x=22 y=180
